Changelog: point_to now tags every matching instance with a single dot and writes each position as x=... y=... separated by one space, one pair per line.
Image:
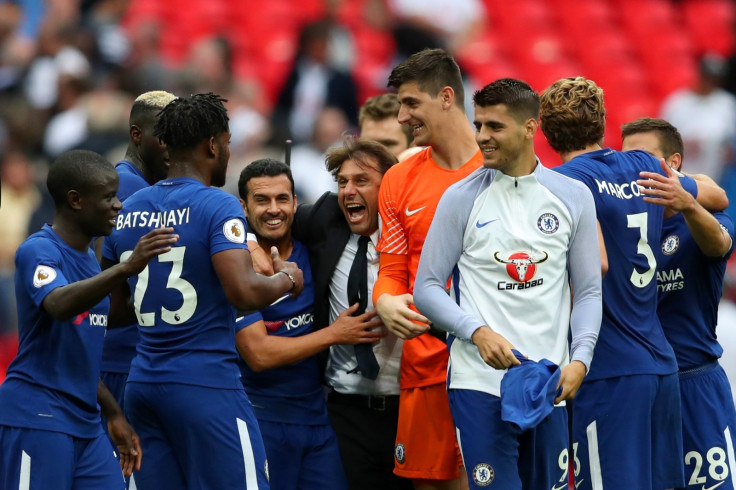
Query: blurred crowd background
x=300 y=69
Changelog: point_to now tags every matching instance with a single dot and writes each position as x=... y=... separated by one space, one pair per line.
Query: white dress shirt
x=341 y=368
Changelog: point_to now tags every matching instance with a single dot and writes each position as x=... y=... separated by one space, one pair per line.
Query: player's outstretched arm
x=587 y=305
x=64 y=302
x=668 y=191
x=248 y=290
x=125 y=438
x=710 y=195
x=262 y=351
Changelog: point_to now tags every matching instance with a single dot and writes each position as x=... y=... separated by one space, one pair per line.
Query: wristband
x=291 y=278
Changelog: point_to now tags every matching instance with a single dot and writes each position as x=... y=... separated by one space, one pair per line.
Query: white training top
x=513 y=246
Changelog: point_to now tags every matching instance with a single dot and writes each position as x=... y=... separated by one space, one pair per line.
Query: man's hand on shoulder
x=399 y=318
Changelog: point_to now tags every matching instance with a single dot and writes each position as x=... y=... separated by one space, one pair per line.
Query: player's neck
x=71 y=233
x=525 y=165
x=134 y=157
x=187 y=169
x=567 y=156
x=454 y=146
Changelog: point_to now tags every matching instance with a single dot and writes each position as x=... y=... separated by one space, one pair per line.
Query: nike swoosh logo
x=714 y=486
x=564 y=485
x=414 y=211
x=478 y=224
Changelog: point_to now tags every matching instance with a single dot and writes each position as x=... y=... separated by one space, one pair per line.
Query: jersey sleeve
x=441 y=252
x=585 y=277
x=38 y=265
x=393 y=246
x=393 y=236
x=726 y=225
x=228 y=227
x=247 y=320
x=689 y=184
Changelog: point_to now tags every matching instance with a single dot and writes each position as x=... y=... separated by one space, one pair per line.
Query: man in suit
x=363 y=407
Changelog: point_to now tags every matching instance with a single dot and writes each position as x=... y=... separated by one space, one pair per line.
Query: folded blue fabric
x=528 y=391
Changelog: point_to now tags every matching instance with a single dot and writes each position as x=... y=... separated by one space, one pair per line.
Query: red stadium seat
x=643 y=19
x=711 y=25
x=625 y=78
x=581 y=19
x=520 y=17
x=626 y=109
x=485 y=58
x=611 y=48
x=544 y=152
x=541 y=76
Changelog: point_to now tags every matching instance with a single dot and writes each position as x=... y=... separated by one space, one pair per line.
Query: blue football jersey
x=120 y=342
x=52 y=382
x=186 y=323
x=131 y=179
x=631 y=340
x=291 y=394
x=690 y=286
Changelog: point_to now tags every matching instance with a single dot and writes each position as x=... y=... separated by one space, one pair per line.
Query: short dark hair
x=432 y=69
x=74 y=170
x=520 y=99
x=382 y=107
x=264 y=167
x=187 y=121
x=670 y=140
x=359 y=150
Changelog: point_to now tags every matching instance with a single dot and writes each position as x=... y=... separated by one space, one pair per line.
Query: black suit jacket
x=322 y=228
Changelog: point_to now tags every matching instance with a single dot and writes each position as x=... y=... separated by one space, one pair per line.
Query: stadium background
x=69 y=69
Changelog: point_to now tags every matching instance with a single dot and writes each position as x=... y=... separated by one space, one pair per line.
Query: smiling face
x=99 y=205
x=502 y=139
x=357 y=194
x=270 y=206
x=422 y=112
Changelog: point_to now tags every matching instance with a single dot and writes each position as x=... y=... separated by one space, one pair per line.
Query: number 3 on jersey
x=638 y=279
x=174 y=281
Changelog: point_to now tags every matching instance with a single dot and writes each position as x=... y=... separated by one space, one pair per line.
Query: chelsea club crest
x=483 y=474
x=548 y=223
x=670 y=244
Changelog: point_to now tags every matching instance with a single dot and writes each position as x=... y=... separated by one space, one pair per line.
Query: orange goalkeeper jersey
x=407 y=200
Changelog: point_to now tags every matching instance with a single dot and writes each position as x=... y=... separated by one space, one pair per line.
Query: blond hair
x=156 y=99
